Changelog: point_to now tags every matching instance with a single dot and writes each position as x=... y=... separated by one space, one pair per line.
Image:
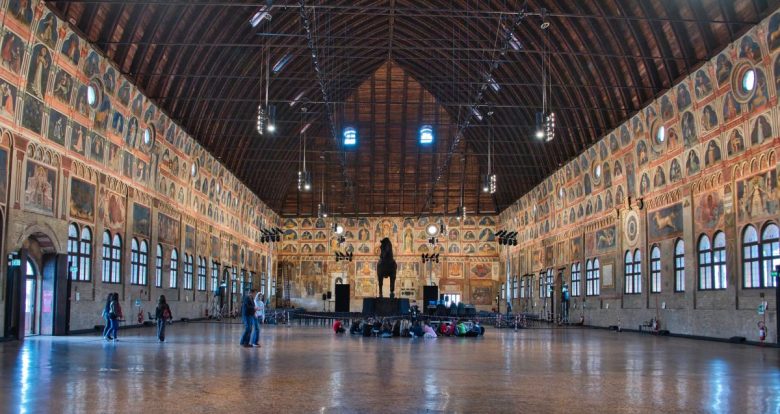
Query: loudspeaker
x=324 y=296
x=329 y=295
x=342 y=298
x=430 y=293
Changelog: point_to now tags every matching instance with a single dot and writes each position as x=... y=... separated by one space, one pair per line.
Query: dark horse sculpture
x=386 y=266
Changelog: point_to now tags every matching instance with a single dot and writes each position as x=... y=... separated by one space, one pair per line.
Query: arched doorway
x=32 y=299
x=37 y=289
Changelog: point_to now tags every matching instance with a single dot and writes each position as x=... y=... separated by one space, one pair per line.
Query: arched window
x=542 y=287
x=655 y=269
x=679 y=266
x=106 y=268
x=751 y=271
x=158 y=266
x=187 y=271
x=73 y=251
x=174 y=270
x=214 y=276
x=628 y=272
x=550 y=282
x=201 y=273
x=592 y=277
x=770 y=252
x=515 y=290
x=719 y=260
x=85 y=255
x=637 y=271
x=139 y=259
x=135 y=265
x=116 y=259
x=522 y=287
x=143 y=257
x=576 y=278
x=705 y=263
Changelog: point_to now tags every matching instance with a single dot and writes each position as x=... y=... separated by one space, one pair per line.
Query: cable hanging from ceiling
x=545 y=119
x=509 y=41
x=329 y=112
x=304 y=176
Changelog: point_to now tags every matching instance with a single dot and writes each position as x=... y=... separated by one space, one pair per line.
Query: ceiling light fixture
x=262 y=14
x=489 y=179
x=545 y=119
x=304 y=177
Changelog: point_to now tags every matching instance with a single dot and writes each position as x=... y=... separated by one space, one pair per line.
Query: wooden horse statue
x=387 y=266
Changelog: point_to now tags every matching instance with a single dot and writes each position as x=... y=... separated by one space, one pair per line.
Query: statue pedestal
x=385 y=306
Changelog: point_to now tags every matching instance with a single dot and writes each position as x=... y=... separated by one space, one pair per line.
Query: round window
x=597 y=171
x=561 y=192
x=748 y=80
x=93 y=94
x=148 y=136
x=660 y=134
x=194 y=169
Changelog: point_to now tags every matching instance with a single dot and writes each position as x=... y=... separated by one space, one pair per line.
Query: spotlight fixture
x=432 y=230
x=545 y=119
x=338 y=229
x=271 y=118
x=304 y=181
x=476 y=113
x=343 y=256
x=507 y=238
x=281 y=63
x=460 y=213
x=322 y=211
x=271 y=235
x=433 y=257
x=489 y=179
x=262 y=14
x=260 y=119
x=489 y=183
x=297 y=98
x=491 y=81
x=545 y=22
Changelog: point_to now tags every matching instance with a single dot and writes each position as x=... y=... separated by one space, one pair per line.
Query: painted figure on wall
x=736 y=142
x=47 y=30
x=641 y=152
x=57 y=124
x=688 y=129
x=659 y=179
x=713 y=154
x=21 y=10
x=692 y=164
x=666 y=222
x=761 y=96
x=7 y=99
x=38 y=74
x=758 y=196
x=722 y=69
x=97 y=148
x=773 y=32
x=709 y=212
x=114 y=212
x=78 y=136
x=703 y=84
x=761 y=130
x=709 y=118
x=12 y=52
x=749 y=49
x=32 y=114
x=82 y=200
x=70 y=48
x=63 y=84
x=675 y=172
x=731 y=108
x=3 y=175
x=644 y=185
x=683 y=97
x=39 y=190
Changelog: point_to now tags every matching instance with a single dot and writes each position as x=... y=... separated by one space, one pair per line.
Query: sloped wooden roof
x=386 y=64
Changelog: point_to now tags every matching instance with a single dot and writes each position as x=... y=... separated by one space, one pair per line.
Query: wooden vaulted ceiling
x=390 y=65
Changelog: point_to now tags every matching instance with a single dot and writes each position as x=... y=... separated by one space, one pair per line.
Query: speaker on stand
x=342 y=298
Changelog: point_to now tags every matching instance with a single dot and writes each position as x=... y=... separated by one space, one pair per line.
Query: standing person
x=115 y=314
x=259 y=315
x=107 y=318
x=247 y=316
x=163 y=315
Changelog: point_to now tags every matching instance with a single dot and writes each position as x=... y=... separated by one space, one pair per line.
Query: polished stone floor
x=306 y=369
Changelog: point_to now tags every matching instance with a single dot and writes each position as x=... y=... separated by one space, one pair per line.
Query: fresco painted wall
x=117 y=165
x=713 y=168
x=468 y=262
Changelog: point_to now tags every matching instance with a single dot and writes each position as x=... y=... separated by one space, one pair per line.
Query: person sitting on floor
x=428 y=332
x=386 y=331
x=406 y=325
x=338 y=327
x=377 y=326
x=367 y=327
x=354 y=328
x=479 y=329
x=461 y=329
x=417 y=330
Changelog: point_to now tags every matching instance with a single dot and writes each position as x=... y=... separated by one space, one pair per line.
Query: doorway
x=32 y=317
x=450 y=298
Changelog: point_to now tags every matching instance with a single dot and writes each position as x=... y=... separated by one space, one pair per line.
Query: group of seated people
x=386 y=328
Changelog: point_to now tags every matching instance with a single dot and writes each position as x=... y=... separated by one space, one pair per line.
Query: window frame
x=633 y=272
x=655 y=269
x=158 y=266
x=201 y=274
x=592 y=277
x=751 y=260
x=770 y=260
x=576 y=279
x=679 y=265
x=173 y=270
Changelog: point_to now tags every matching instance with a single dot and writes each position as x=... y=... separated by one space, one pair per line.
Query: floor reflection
x=201 y=368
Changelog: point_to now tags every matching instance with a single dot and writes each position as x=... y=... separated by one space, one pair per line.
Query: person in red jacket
x=338 y=327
